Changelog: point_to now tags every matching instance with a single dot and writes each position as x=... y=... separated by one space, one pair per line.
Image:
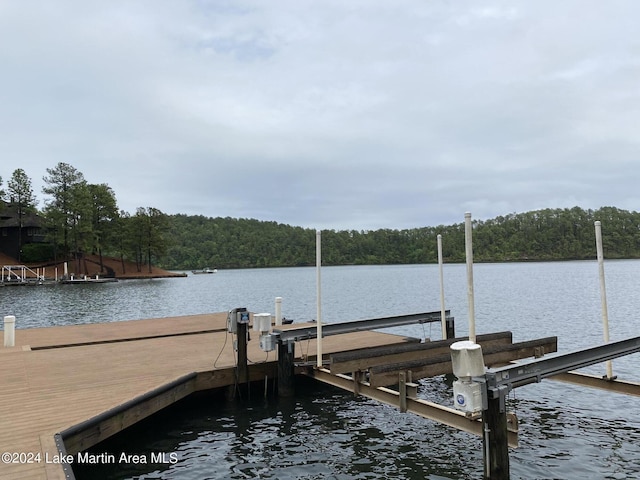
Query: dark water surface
x=566 y=432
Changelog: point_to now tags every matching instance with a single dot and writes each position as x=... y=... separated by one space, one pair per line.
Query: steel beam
x=499 y=381
x=305 y=333
x=513 y=376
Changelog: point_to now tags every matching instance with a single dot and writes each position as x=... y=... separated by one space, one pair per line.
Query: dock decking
x=58 y=377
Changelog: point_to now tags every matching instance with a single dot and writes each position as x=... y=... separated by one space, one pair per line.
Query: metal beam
x=600 y=382
x=513 y=376
x=423 y=408
x=305 y=333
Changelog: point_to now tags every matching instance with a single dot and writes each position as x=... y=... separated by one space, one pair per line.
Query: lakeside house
x=17 y=231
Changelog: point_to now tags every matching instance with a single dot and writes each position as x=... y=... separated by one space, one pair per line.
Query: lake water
x=566 y=432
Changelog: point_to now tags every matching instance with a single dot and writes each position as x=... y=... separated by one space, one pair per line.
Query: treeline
x=550 y=234
x=82 y=218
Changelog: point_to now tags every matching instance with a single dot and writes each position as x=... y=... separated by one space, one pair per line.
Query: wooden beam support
x=363 y=359
x=385 y=375
x=439 y=413
x=602 y=383
x=286 y=369
x=93 y=431
x=495 y=441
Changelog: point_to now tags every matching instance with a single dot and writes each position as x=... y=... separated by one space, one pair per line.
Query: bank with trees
x=80 y=218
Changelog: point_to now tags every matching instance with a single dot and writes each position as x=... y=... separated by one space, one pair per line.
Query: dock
x=65 y=389
x=92 y=381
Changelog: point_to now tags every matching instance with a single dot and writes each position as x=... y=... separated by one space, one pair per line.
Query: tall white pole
x=603 y=293
x=443 y=320
x=319 y=297
x=469 y=255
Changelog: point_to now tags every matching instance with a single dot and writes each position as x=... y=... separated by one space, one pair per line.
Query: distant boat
x=86 y=279
x=204 y=270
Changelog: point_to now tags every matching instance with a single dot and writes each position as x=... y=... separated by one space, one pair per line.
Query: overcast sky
x=328 y=114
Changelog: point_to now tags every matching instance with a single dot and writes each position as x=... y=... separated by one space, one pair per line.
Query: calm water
x=566 y=432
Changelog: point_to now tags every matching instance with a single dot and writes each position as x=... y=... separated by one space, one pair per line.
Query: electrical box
x=267 y=342
x=467 y=396
x=236 y=316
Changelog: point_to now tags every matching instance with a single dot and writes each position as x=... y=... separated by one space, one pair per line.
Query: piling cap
x=10 y=319
x=466 y=359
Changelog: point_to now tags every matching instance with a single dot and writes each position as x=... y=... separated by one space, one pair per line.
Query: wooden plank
x=68 y=335
x=98 y=367
x=363 y=359
x=87 y=434
x=385 y=375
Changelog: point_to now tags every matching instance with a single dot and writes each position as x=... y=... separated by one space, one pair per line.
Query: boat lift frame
x=498 y=382
x=11 y=270
x=306 y=333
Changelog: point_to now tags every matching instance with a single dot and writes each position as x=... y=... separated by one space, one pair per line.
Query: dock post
x=495 y=442
x=451 y=328
x=468 y=235
x=243 y=369
x=402 y=390
x=286 y=373
x=443 y=320
x=278 y=320
x=9 y=331
x=603 y=294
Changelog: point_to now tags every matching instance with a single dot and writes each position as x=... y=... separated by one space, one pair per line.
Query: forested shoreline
x=80 y=218
x=541 y=235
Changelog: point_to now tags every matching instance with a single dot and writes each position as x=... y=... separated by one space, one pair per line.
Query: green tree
x=104 y=212
x=147 y=228
x=62 y=209
x=21 y=195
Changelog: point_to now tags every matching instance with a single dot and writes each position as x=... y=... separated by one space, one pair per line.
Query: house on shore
x=16 y=232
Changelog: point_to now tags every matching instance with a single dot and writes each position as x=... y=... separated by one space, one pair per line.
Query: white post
x=443 y=320
x=603 y=294
x=66 y=270
x=469 y=254
x=319 y=297
x=9 y=331
x=278 y=310
x=56 y=273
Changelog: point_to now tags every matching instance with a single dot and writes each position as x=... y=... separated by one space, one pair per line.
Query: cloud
x=332 y=115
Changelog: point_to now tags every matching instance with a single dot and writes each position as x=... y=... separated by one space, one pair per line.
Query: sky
x=339 y=115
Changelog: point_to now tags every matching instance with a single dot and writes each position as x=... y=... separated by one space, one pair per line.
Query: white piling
x=469 y=255
x=443 y=320
x=278 y=310
x=603 y=293
x=9 y=331
x=319 y=297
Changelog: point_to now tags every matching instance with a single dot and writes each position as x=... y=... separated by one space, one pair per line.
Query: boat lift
x=18 y=274
x=496 y=384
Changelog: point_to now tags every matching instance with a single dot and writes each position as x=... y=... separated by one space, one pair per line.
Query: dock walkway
x=58 y=377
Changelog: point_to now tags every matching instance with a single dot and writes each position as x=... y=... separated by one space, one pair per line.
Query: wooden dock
x=94 y=380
